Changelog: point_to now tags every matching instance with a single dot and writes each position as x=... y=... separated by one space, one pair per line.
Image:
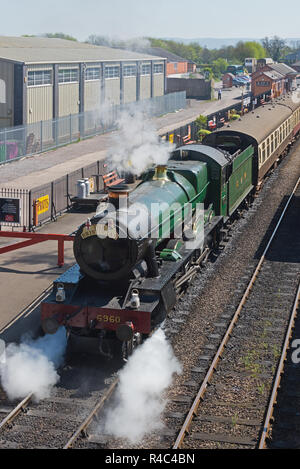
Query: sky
x=156 y=18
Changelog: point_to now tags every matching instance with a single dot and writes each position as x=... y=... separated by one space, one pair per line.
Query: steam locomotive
x=132 y=269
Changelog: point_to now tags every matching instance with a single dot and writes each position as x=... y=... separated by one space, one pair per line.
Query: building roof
x=273 y=75
x=34 y=50
x=159 y=52
x=283 y=69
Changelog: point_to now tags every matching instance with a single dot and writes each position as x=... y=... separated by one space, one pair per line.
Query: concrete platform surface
x=25 y=273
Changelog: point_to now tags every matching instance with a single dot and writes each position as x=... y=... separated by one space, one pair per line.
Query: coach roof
x=264 y=120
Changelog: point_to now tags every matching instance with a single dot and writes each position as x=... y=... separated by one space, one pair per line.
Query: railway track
x=82 y=412
x=59 y=421
x=229 y=409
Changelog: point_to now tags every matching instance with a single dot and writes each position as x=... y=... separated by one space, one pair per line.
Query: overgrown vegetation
x=201 y=123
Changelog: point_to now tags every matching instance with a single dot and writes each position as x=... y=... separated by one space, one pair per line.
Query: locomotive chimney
x=114 y=196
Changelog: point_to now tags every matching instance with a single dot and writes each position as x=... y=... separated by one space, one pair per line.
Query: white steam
x=140 y=401
x=137 y=145
x=31 y=366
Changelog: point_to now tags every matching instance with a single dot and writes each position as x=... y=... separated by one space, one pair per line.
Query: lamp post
x=242 y=111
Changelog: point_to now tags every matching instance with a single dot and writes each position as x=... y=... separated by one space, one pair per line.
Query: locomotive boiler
x=119 y=243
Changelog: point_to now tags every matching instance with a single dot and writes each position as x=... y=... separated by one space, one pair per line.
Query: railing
x=29 y=139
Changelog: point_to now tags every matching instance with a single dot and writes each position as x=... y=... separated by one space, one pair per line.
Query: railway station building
x=274 y=79
x=43 y=79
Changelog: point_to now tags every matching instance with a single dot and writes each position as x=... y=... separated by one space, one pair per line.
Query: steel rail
x=272 y=402
x=82 y=428
x=15 y=412
x=194 y=408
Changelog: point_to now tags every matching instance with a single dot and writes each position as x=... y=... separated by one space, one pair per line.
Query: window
x=262 y=83
x=92 y=73
x=263 y=156
x=68 y=75
x=129 y=71
x=272 y=143
x=2 y=92
x=158 y=68
x=40 y=77
x=112 y=72
x=146 y=69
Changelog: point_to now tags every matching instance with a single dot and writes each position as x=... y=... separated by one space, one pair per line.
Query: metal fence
x=29 y=139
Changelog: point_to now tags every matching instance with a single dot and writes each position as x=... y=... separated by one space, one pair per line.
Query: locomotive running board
x=163 y=285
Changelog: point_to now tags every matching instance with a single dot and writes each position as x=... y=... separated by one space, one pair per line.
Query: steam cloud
x=31 y=366
x=137 y=145
x=139 y=400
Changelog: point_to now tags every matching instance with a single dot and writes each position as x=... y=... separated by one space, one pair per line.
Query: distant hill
x=217 y=43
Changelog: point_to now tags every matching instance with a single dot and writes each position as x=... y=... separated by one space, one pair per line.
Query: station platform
x=34 y=171
x=25 y=273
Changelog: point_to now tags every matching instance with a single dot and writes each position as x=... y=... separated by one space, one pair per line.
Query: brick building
x=227 y=80
x=266 y=82
x=176 y=65
x=273 y=79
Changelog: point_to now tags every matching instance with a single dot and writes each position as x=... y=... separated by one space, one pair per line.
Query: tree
x=208 y=73
x=60 y=36
x=249 y=49
x=275 y=47
x=219 y=67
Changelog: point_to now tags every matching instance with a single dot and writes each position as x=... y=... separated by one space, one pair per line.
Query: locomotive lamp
x=50 y=326
x=60 y=294
x=135 y=301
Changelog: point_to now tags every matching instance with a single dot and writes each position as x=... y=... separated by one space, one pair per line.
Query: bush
x=202 y=133
x=201 y=122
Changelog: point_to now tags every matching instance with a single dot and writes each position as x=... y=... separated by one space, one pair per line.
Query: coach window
x=272 y=143
x=263 y=157
x=268 y=147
